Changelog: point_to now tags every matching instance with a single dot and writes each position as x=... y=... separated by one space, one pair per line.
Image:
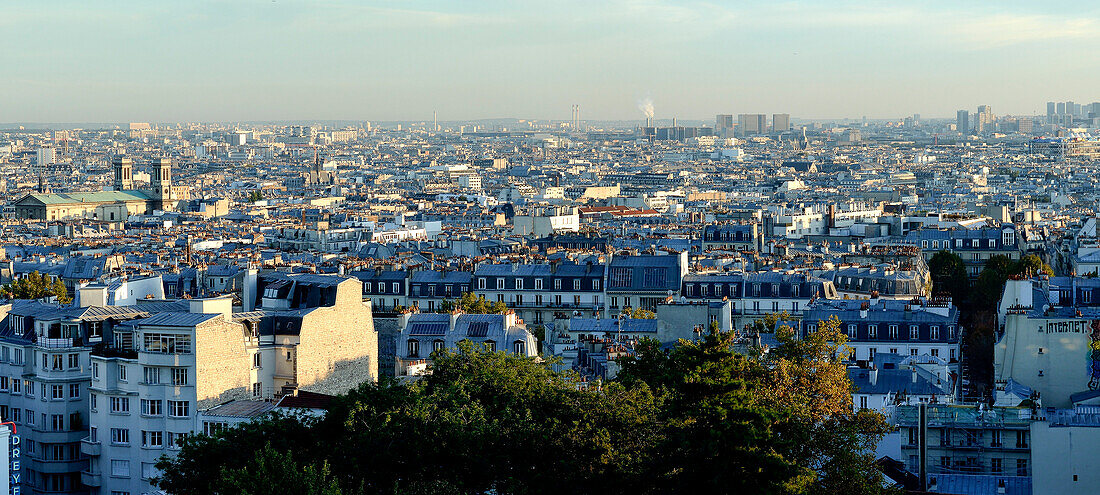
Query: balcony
x=91 y=479
x=90 y=448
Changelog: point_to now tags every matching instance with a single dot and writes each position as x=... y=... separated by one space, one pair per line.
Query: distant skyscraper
x=962 y=121
x=45 y=156
x=1061 y=108
x=752 y=123
x=723 y=121
x=1069 y=107
x=781 y=122
x=984 y=120
x=1050 y=112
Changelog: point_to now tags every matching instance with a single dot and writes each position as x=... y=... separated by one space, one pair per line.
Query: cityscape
x=625 y=291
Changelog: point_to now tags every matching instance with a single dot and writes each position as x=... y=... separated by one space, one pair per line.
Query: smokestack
x=674 y=122
x=648 y=122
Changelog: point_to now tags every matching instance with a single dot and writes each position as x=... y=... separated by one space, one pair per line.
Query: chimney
x=873 y=376
x=913 y=368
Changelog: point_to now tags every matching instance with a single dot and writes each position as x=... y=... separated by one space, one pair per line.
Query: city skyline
x=286 y=60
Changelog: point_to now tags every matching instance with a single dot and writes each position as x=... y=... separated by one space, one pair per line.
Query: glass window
x=120 y=467
x=152 y=407
x=178 y=408
x=120 y=436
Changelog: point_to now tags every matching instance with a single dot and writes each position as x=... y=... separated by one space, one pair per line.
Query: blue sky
x=79 y=61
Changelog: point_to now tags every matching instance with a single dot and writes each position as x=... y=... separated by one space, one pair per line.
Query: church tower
x=124 y=173
x=160 y=172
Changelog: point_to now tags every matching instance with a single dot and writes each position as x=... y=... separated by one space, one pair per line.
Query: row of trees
x=697 y=417
x=949 y=276
x=36 y=286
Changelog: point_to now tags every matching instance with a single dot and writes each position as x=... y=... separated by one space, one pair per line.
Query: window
x=120 y=405
x=257 y=390
x=95 y=330
x=16 y=386
x=518 y=347
x=120 y=436
x=500 y=283
x=120 y=467
x=538 y=284
x=149 y=470
x=557 y=284
x=174 y=439
x=595 y=284
x=481 y=283
x=1021 y=439
x=995 y=438
x=179 y=376
x=621 y=277
x=872 y=331
x=934 y=332
x=30 y=416
x=914 y=332
x=57 y=422
x=256 y=361
x=438 y=345
x=414 y=348
x=167 y=343
x=95 y=370
x=519 y=284
x=811 y=328
x=1021 y=467
x=93 y=434
x=4 y=383
x=57 y=392
x=151 y=407
x=576 y=284
x=996 y=465
x=852 y=331
x=93 y=401
x=893 y=331
x=951 y=331
x=29 y=387
x=492 y=345
x=152 y=375
x=121 y=372
x=178 y=408
x=74 y=361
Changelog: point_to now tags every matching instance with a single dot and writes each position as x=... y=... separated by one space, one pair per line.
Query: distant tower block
x=124 y=173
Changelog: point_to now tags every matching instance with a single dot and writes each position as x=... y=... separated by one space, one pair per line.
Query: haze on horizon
x=69 y=61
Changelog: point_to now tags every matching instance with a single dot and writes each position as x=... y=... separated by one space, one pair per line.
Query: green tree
x=255 y=196
x=949 y=276
x=271 y=471
x=780 y=422
x=473 y=304
x=639 y=313
x=1032 y=265
x=36 y=286
x=698 y=416
x=769 y=321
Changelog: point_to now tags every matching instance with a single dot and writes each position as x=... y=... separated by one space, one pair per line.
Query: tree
x=780 y=422
x=1033 y=265
x=697 y=417
x=949 y=275
x=272 y=471
x=470 y=303
x=36 y=286
x=255 y=196
x=639 y=313
x=769 y=321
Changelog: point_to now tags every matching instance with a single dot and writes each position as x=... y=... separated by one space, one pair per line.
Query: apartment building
x=312 y=332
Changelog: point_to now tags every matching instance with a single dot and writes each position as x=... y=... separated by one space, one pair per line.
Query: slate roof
x=87 y=197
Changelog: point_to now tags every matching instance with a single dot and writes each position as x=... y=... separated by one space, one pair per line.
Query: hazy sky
x=80 y=61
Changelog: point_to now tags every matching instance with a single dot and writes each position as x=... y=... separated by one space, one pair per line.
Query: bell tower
x=124 y=173
x=160 y=178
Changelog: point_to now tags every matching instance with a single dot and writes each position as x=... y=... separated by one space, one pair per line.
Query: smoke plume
x=646 y=106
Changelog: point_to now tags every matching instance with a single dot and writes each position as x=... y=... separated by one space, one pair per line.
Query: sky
x=385 y=60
